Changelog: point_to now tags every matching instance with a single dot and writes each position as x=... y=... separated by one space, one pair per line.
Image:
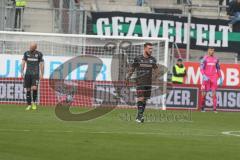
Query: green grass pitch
x=40 y=135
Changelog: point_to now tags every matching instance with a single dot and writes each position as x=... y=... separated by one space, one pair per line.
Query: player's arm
x=202 y=65
x=202 y=69
x=22 y=68
x=219 y=72
x=41 y=70
x=130 y=72
x=23 y=64
x=218 y=69
x=158 y=72
x=41 y=66
x=131 y=69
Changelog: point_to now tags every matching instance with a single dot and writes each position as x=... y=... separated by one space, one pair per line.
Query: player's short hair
x=210 y=47
x=148 y=44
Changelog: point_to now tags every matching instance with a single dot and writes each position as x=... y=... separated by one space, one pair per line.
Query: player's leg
x=141 y=107
x=204 y=88
x=34 y=95
x=140 y=103
x=214 y=97
x=27 y=85
x=147 y=95
x=29 y=99
x=34 y=89
x=202 y=100
x=144 y=93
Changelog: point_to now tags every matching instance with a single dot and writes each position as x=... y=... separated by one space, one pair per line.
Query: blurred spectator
x=140 y=2
x=189 y=2
x=179 y=72
x=221 y=2
x=77 y=2
x=227 y=2
x=19 y=5
x=224 y=4
x=10 y=3
x=184 y=1
x=234 y=12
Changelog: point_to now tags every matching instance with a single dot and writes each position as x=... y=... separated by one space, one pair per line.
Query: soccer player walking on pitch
x=143 y=65
x=210 y=70
x=33 y=60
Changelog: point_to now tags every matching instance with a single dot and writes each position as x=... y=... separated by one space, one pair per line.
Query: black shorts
x=30 y=80
x=144 y=91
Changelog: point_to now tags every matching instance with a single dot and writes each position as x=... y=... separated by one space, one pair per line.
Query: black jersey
x=32 y=60
x=143 y=67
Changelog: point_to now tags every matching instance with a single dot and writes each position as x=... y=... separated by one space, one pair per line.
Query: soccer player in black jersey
x=33 y=60
x=143 y=64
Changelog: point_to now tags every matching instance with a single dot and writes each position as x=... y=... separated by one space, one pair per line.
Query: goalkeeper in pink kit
x=210 y=70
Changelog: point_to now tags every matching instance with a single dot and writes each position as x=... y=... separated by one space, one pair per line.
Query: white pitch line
x=225 y=133
x=52 y=131
x=231 y=133
x=27 y=130
x=103 y=132
x=15 y=130
x=162 y=134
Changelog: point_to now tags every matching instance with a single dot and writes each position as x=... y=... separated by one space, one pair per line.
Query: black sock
x=29 y=98
x=140 y=106
x=34 y=95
